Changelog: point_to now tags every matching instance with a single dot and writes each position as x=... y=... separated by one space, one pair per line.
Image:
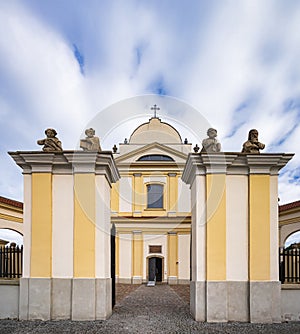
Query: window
x=155 y=157
x=155 y=249
x=155 y=196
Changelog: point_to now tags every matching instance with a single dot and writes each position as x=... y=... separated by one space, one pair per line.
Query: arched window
x=155 y=196
x=155 y=157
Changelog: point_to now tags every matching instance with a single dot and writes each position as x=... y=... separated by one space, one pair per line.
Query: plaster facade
x=140 y=227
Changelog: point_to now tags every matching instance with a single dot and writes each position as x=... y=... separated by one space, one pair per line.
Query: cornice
x=11 y=218
x=232 y=163
x=146 y=148
x=67 y=163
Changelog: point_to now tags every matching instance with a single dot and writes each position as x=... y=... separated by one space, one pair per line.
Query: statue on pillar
x=252 y=145
x=91 y=142
x=211 y=144
x=51 y=143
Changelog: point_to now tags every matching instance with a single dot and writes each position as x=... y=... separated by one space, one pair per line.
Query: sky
x=63 y=64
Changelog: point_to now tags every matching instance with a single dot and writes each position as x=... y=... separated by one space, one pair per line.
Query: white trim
x=102 y=237
x=27 y=226
x=237 y=228
x=62 y=226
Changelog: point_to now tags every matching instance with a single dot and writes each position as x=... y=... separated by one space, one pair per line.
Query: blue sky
x=236 y=62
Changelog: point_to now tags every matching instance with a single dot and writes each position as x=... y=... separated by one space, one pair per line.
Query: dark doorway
x=113 y=263
x=155 y=269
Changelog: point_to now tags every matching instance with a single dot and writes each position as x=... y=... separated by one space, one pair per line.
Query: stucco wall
x=9 y=304
x=290 y=302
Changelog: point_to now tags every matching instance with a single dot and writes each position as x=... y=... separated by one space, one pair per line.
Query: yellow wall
x=172 y=254
x=173 y=193
x=138 y=192
x=259 y=227
x=84 y=225
x=41 y=225
x=137 y=252
x=115 y=197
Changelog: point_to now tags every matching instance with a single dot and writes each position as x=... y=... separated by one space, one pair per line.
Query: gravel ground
x=156 y=309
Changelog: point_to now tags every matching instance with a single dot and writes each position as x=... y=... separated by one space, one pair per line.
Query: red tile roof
x=11 y=202
x=289 y=206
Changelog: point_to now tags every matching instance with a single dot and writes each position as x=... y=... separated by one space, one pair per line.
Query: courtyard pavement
x=141 y=309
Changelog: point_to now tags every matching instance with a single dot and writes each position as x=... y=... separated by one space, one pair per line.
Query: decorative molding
x=233 y=164
x=68 y=162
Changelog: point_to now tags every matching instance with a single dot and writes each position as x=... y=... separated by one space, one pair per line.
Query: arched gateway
x=229 y=200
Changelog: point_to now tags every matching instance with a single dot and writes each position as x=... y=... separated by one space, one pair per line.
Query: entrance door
x=155 y=269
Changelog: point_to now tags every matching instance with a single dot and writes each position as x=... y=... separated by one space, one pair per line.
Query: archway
x=155 y=268
x=292 y=240
x=11 y=235
x=286 y=231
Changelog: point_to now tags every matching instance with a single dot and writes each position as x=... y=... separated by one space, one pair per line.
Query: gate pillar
x=66 y=271
x=234 y=236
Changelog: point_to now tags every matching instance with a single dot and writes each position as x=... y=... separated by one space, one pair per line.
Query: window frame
x=156 y=157
x=160 y=199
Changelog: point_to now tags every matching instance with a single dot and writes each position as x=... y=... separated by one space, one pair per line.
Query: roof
x=289 y=206
x=155 y=130
x=2 y=241
x=11 y=202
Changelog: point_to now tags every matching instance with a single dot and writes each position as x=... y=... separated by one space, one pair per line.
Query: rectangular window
x=154 y=249
x=155 y=198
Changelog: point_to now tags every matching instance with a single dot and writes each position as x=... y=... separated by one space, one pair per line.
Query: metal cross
x=155 y=108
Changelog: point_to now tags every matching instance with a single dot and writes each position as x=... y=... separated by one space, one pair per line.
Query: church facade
x=151 y=206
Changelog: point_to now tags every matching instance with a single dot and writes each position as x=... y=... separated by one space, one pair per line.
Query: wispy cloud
x=238 y=63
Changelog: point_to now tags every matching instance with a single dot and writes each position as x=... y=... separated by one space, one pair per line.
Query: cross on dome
x=155 y=108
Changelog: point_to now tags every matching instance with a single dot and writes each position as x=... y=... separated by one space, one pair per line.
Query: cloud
x=238 y=63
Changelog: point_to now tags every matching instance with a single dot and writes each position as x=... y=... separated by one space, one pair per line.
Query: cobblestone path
x=145 y=310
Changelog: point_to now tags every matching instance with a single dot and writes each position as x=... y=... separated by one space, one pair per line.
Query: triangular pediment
x=153 y=148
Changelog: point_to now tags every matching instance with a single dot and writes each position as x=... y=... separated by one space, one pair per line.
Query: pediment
x=153 y=148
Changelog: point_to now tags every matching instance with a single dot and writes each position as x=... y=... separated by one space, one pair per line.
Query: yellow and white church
x=151 y=206
x=208 y=220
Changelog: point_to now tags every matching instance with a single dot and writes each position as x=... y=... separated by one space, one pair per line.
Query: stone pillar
x=234 y=229
x=67 y=235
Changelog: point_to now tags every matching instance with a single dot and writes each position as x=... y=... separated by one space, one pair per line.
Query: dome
x=155 y=131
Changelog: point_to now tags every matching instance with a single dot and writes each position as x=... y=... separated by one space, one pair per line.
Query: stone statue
x=252 y=145
x=90 y=143
x=211 y=144
x=51 y=143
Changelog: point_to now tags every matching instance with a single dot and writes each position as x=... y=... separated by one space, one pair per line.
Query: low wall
x=9 y=301
x=290 y=302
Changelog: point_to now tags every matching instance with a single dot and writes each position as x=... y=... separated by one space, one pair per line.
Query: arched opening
x=293 y=240
x=11 y=236
x=11 y=254
x=155 y=157
x=155 y=269
x=289 y=269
